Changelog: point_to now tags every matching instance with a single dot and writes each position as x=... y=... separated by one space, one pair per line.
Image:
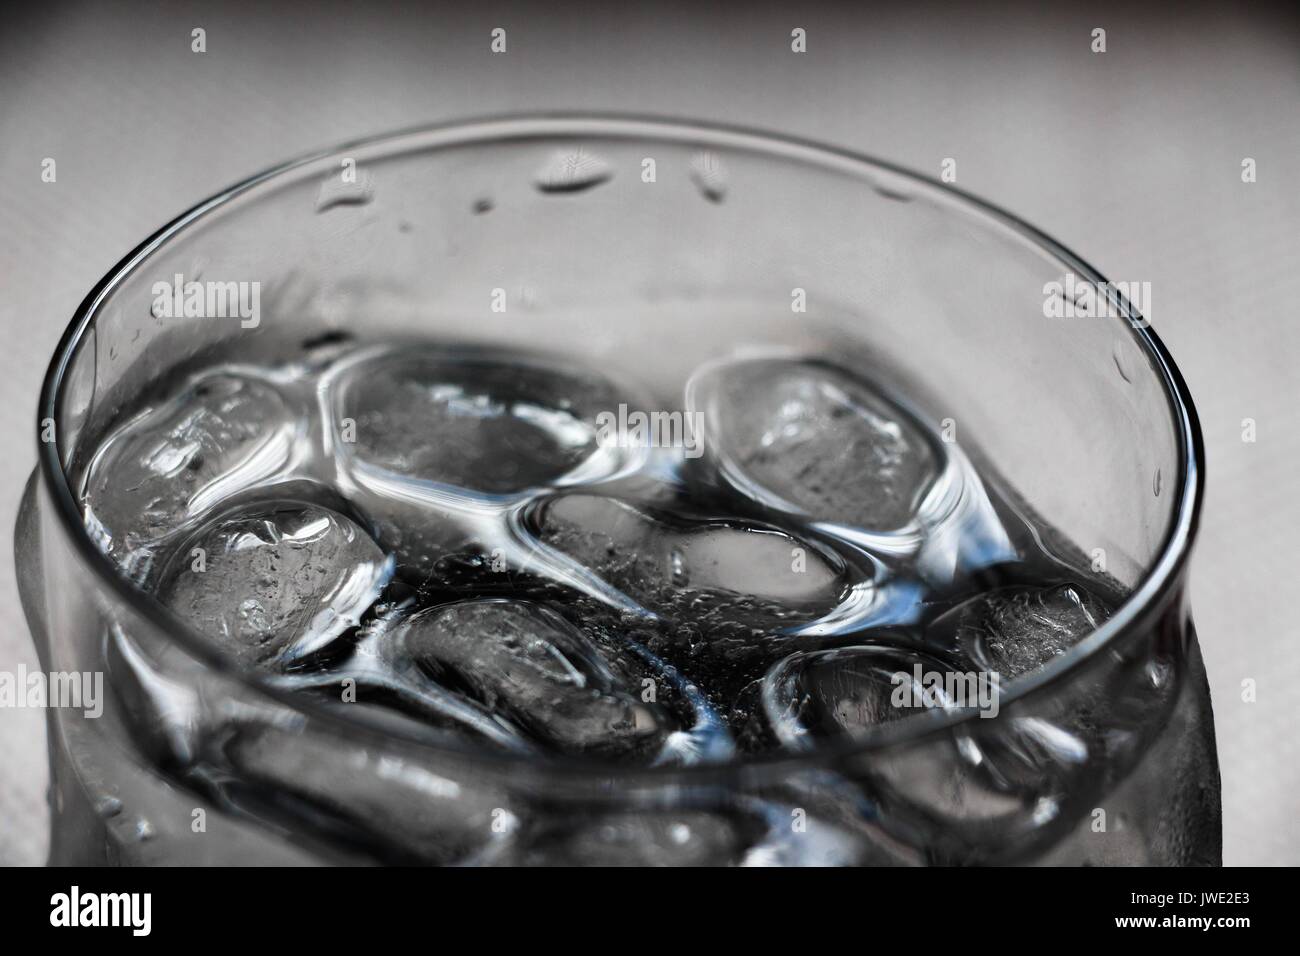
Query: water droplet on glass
x=483 y=205
x=892 y=194
x=335 y=192
x=709 y=175
x=569 y=171
x=1119 y=366
x=144 y=830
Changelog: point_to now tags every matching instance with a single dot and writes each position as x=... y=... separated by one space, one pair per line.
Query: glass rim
x=1143 y=604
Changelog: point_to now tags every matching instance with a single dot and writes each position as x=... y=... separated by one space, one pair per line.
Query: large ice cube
x=694 y=569
x=805 y=437
x=810 y=439
x=658 y=838
x=518 y=659
x=394 y=810
x=846 y=691
x=437 y=446
x=171 y=463
x=483 y=421
x=277 y=581
x=1014 y=630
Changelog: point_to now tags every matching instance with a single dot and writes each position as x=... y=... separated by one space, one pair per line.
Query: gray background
x=1132 y=158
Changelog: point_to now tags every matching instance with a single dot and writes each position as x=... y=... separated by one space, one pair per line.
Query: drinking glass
x=617 y=241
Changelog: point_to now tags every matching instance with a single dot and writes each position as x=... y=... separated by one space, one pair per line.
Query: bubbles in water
x=571 y=171
x=277 y=582
x=173 y=462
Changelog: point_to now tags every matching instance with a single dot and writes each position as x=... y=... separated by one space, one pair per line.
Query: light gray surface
x=1132 y=158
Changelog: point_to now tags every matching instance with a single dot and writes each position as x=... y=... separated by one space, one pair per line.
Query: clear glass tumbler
x=657 y=244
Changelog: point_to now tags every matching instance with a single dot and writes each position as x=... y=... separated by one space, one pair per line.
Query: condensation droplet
x=709 y=175
x=108 y=806
x=1119 y=366
x=143 y=830
x=334 y=192
x=483 y=205
x=1155 y=484
x=892 y=194
x=569 y=171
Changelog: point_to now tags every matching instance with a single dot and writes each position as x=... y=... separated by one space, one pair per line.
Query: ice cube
x=170 y=464
x=696 y=569
x=269 y=762
x=754 y=834
x=805 y=437
x=719 y=599
x=796 y=837
x=486 y=422
x=275 y=582
x=812 y=696
x=519 y=659
x=1014 y=630
x=396 y=810
x=812 y=440
x=652 y=838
